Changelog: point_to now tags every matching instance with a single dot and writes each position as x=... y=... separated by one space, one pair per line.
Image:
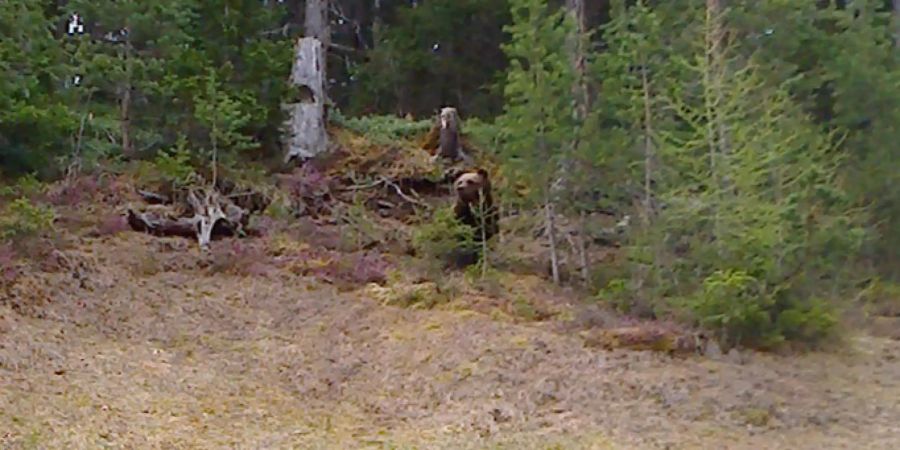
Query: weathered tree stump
x=306 y=136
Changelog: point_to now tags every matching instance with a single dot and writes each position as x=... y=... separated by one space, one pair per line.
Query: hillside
x=152 y=350
x=304 y=338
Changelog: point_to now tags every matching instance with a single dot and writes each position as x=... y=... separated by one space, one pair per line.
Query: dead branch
x=153 y=198
x=402 y=195
x=363 y=187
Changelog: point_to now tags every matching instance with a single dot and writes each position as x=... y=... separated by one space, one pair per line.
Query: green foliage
x=27 y=186
x=537 y=119
x=224 y=117
x=36 y=117
x=616 y=294
x=754 y=215
x=881 y=298
x=175 y=166
x=443 y=237
x=406 y=73
x=736 y=305
x=383 y=130
x=22 y=219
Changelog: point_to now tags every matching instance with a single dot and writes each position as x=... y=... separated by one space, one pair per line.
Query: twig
x=402 y=195
x=363 y=187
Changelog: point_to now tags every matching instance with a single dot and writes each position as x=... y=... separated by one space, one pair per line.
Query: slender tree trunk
x=580 y=92
x=482 y=213
x=550 y=218
x=377 y=23
x=125 y=113
x=648 y=146
x=582 y=249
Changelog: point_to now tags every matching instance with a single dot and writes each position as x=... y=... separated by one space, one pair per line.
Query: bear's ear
x=483 y=173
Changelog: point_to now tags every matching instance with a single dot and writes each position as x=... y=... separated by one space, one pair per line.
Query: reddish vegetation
x=9 y=269
x=111 y=225
x=74 y=192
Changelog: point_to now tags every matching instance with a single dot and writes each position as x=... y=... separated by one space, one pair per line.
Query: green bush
x=739 y=309
x=175 y=165
x=443 y=237
x=810 y=324
x=23 y=219
x=26 y=186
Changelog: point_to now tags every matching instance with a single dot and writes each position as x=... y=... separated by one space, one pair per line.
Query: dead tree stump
x=306 y=136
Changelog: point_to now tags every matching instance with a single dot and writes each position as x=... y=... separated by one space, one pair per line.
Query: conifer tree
x=757 y=212
x=537 y=119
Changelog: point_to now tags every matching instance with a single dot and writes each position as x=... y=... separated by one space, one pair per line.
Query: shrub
x=27 y=186
x=173 y=167
x=383 y=130
x=739 y=310
x=75 y=192
x=444 y=237
x=881 y=298
x=23 y=219
x=734 y=305
x=811 y=324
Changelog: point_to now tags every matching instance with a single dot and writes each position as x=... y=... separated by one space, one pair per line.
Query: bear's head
x=469 y=183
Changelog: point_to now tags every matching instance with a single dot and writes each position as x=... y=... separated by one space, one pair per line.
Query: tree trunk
x=582 y=98
x=125 y=112
x=580 y=93
x=377 y=23
x=895 y=16
x=307 y=136
x=316 y=26
x=648 y=146
x=550 y=217
x=582 y=249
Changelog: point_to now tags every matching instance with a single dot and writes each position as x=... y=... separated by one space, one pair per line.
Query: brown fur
x=468 y=186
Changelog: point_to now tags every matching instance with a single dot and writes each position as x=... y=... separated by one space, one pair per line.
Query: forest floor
x=132 y=342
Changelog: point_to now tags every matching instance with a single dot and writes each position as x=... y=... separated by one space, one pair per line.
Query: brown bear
x=475 y=208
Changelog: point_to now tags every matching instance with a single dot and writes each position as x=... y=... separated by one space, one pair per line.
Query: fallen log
x=158 y=225
x=211 y=216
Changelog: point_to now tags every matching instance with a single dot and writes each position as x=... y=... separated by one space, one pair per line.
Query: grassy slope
x=144 y=356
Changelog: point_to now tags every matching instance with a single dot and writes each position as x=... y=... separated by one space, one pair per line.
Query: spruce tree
x=537 y=122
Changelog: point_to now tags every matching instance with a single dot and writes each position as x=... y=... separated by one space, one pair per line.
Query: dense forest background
x=754 y=141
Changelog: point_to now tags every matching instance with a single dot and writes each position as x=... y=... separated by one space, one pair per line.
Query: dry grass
x=185 y=357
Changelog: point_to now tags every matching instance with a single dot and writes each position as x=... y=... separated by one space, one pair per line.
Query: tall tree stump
x=306 y=130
